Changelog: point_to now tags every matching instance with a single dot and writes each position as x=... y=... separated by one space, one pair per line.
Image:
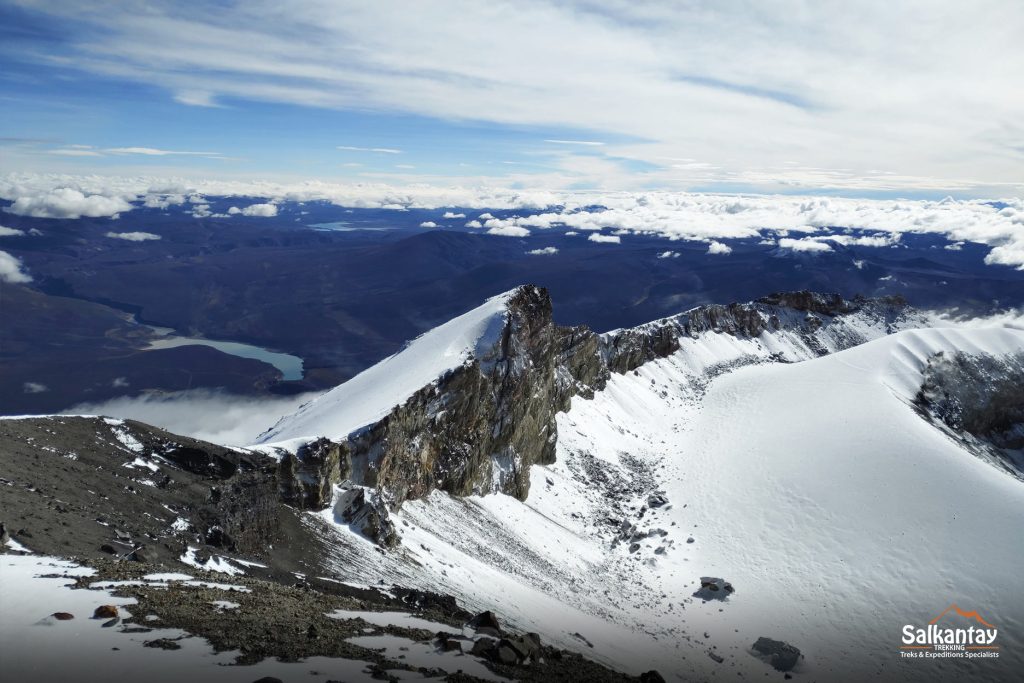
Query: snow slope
x=370 y=395
x=836 y=511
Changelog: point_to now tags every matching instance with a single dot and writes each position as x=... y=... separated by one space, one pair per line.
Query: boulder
x=105 y=612
x=782 y=656
x=485 y=620
x=651 y=676
x=656 y=500
x=713 y=588
x=63 y=616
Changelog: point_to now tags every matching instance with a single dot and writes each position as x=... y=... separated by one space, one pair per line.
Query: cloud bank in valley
x=202 y=414
x=673 y=215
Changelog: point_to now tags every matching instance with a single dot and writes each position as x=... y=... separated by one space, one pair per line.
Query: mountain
x=784 y=482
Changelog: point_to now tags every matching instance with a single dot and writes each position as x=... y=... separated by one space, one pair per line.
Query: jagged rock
x=105 y=612
x=780 y=655
x=307 y=477
x=4 y=535
x=484 y=620
x=485 y=647
x=657 y=500
x=365 y=511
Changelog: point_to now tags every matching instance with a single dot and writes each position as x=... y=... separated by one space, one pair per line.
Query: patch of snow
x=373 y=393
x=403 y=619
x=216 y=563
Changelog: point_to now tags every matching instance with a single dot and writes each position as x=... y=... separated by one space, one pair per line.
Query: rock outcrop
x=481 y=426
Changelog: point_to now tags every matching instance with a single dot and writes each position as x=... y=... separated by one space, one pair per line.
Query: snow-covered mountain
x=811 y=470
x=784 y=446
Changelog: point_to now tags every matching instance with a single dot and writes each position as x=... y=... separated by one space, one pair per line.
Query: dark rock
x=268 y=679
x=307 y=477
x=715 y=657
x=656 y=500
x=105 y=612
x=365 y=510
x=4 y=535
x=142 y=555
x=485 y=647
x=163 y=644
x=109 y=549
x=714 y=588
x=485 y=620
x=506 y=655
x=651 y=677
x=112 y=622
x=122 y=535
x=63 y=616
x=782 y=656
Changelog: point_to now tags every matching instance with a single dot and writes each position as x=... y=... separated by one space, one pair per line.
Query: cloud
x=450 y=214
x=375 y=150
x=508 y=231
x=674 y=215
x=260 y=210
x=605 y=239
x=153 y=152
x=12 y=270
x=11 y=232
x=954 y=246
x=34 y=388
x=74 y=152
x=669 y=254
x=735 y=88
x=133 y=236
x=585 y=143
x=804 y=245
x=546 y=251
x=66 y=202
x=428 y=224
x=719 y=248
x=202 y=414
x=196 y=98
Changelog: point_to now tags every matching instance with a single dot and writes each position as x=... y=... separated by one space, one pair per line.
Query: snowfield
x=370 y=395
x=836 y=511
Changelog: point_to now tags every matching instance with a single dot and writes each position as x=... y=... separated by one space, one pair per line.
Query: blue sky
x=911 y=99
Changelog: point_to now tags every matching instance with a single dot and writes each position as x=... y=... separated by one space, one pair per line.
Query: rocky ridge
x=479 y=428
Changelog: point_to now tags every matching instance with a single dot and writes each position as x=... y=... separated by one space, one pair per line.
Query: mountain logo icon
x=967 y=615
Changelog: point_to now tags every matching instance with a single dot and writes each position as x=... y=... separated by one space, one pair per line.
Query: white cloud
x=428 y=224
x=133 y=236
x=450 y=214
x=675 y=215
x=669 y=254
x=34 y=388
x=606 y=239
x=719 y=248
x=153 y=152
x=546 y=251
x=954 y=246
x=805 y=245
x=260 y=210
x=65 y=202
x=202 y=414
x=509 y=231
x=10 y=232
x=375 y=150
x=12 y=270
x=196 y=98
x=858 y=264
x=74 y=152
x=485 y=217
x=734 y=88
x=585 y=143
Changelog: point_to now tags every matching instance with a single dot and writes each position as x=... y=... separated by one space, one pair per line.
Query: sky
x=863 y=99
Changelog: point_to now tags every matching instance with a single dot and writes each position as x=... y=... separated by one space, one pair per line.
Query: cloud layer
x=673 y=215
x=12 y=270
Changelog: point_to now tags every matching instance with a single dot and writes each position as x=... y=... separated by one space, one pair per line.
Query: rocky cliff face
x=479 y=428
